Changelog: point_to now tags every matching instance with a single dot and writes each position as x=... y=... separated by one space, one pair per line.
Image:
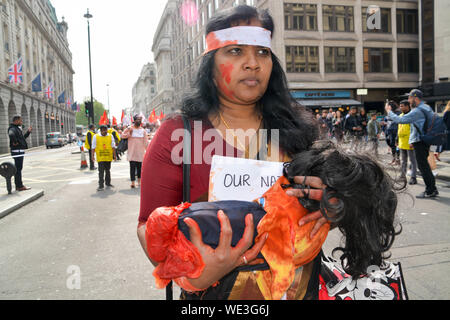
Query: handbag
x=123 y=146
x=381 y=283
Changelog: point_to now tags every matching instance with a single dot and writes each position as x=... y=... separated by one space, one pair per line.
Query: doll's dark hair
x=297 y=126
x=360 y=198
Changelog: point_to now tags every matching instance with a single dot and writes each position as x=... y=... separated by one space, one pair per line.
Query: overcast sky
x=121 y=41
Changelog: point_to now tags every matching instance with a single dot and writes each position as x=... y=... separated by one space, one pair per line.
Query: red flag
x=162 y=115
x=114 y=122
x=123 y=116
x=104 y=119
x=153 y=118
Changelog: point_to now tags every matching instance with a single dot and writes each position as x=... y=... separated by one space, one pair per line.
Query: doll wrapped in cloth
x=360 y=199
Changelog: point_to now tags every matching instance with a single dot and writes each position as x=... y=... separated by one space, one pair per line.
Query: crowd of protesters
x=397 y=127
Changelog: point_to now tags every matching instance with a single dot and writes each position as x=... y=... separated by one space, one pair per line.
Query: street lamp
x=109 y=108
x=89 y=16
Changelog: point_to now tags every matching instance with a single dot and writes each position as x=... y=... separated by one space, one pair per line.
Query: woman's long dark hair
x=297 y=127
x=361 y=198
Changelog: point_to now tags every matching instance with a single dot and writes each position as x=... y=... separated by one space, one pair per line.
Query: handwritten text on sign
x=241 y=179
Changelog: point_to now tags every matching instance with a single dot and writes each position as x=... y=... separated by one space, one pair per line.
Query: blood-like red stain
x=225 y=70
x=213 y=43
x=227 y=92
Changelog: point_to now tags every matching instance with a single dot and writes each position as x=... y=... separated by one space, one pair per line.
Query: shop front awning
x=333 y=103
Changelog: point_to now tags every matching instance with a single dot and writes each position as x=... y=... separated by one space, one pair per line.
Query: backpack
x=434 y=133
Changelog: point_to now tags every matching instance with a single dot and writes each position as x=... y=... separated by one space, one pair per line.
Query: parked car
x=54 y=139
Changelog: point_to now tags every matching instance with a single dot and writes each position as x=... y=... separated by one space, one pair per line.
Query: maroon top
x=162 y=176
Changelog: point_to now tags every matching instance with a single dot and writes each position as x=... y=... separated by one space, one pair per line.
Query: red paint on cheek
x=224 y=89
x=226 y=70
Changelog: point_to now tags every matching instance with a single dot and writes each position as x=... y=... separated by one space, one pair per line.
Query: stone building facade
x=331 y=55
x=178 y=48
x=29 y=29
x=144 y=90
x=435 y=52
x=329 y=50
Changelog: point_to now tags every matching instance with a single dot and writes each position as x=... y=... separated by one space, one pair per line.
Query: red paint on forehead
x=225 y=70
x=212 y=43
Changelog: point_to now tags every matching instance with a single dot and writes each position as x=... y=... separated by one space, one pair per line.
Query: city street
x=74 y=227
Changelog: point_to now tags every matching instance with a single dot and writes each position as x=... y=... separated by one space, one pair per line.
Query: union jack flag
x=49 y=91
x=15 y=72
x=69 y=103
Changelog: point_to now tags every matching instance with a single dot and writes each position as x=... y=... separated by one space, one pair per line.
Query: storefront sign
x=321 y=94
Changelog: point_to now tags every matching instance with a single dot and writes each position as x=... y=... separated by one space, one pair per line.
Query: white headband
x=243 y=35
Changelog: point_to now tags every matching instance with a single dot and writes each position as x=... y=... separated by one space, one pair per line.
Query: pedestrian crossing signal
x=88 y=109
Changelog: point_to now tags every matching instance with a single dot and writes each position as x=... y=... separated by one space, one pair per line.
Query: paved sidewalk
x=11 y=202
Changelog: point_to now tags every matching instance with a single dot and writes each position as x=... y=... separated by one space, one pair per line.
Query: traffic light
x=89 y=109
x=86 y=108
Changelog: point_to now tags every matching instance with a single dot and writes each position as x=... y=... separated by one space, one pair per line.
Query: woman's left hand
x=315 y=193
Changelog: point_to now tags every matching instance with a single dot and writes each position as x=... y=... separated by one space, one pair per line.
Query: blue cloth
x=416 y=118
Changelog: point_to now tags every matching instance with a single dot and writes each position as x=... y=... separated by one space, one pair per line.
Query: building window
x=408 y=60
x=407 y=21
x=378 y=60
x=302 y=59
x=338 y=18
x=339 y=59
x=385 y=21
x=300 y=17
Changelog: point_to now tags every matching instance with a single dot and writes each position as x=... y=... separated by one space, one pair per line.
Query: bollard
x=84 y=163
x=8 y=170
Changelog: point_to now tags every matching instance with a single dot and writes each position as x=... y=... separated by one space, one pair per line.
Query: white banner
x=241 y=179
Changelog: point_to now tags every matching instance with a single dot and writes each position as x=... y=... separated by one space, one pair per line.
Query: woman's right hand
x=222 y=260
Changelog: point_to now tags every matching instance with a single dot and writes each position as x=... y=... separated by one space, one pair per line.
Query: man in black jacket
x=354 y=127
x=18 y=145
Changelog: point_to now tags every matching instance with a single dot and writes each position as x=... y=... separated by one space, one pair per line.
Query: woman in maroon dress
x=239 y=86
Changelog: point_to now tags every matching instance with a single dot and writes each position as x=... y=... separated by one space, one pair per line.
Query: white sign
x=362 y=92
x=241 y=179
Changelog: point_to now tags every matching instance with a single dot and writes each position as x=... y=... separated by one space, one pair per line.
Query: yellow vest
x=87 y=146
x=104 y=149
x=404 y=130
x=111 y=130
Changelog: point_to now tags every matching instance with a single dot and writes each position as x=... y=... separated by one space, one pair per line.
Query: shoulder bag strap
x=187 y=151
x=425 y=123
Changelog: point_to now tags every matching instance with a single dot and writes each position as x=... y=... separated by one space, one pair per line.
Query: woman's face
x=242 y=73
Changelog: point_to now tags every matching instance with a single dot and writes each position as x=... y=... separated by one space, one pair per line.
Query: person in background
x=138 y=141
x=391 y=134
x=323 y=123
x=87 y=145
x=406 y=149
x=419 y=114
x=338 y=126
x=364 y=120
x=18 y=145
x=445 y=146
x=354 y=128
x=373 y=132
x=103 y=147
x=329 y=121
x=113 y=131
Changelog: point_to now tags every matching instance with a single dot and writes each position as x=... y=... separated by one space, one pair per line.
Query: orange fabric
x=288 y=246
x=176 y=255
